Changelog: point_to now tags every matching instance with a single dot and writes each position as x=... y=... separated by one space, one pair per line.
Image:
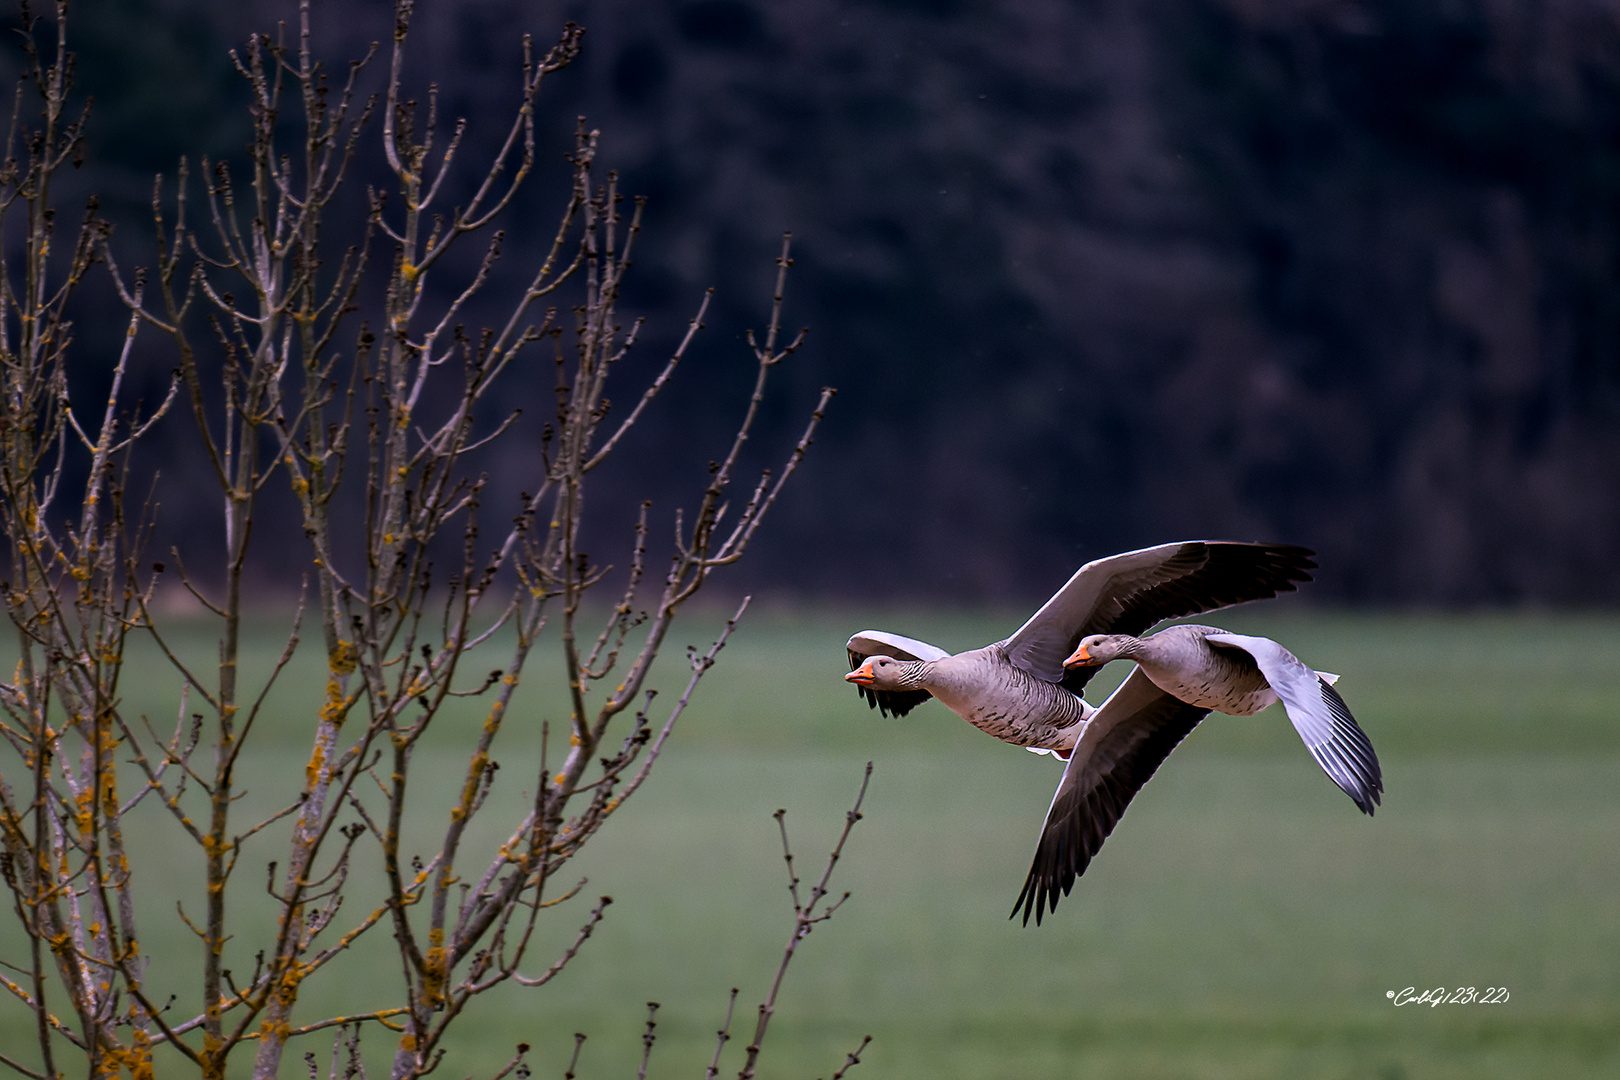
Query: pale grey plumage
x=985 y=689
x=1182 y=674
x=1239 y=675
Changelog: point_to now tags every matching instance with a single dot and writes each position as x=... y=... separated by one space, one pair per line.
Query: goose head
x=886 y=673
x=1098 y=649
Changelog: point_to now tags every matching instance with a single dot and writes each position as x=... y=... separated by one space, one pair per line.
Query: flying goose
x=1018 y=689
x=1182 y=673
x=1239 y=675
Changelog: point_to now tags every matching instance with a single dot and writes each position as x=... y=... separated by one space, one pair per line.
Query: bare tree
x=341 y=366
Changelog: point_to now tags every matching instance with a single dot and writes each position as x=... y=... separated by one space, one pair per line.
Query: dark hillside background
x=1088 y=276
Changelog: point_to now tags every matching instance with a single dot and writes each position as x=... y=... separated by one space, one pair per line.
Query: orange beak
x=861 y=676
x=1079 y=656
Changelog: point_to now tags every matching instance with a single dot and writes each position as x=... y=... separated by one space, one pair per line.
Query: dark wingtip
x=1030 y=899
x=875 y=701
x=1371 y=799
x=1048 y=879
x=1356 y=753
x=1292 y=563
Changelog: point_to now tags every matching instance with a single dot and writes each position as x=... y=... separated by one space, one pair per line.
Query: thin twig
x=647 y=1040
x=573 y=1062
x=805 y=918
x=853 y=1059
x=722 y=1037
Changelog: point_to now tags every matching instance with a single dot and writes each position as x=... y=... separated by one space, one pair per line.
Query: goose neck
x=1133 y=648
x=916 y=672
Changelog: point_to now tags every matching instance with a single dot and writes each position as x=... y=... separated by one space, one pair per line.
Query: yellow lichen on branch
x=335 y=709
x=317 y=760
x=343 y=659
x=434 y=974
x=136 y=1057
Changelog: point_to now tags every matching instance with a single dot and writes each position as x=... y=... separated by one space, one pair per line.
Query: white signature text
x=1445 y=995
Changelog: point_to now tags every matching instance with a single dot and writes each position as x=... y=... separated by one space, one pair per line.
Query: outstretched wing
x=1121 y=747
x=1320 y=716
x=1126 y=594
x=869 y=643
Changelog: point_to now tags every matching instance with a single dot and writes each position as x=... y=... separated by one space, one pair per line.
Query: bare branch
x=573 y=948
x=805 y=918
x=853 y=1059
x=307 y=359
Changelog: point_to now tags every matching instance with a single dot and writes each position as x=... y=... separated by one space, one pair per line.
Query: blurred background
x=1087 y=275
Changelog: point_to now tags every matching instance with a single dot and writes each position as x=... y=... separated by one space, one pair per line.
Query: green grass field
x=1244 y=920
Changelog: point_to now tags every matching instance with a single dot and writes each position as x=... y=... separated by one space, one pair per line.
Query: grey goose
x=1019 y=690
x=1182 y=674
